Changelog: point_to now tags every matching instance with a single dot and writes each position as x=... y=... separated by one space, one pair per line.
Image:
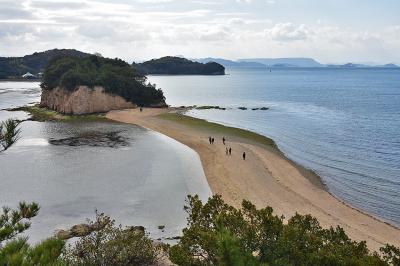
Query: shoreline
x=308 y=173
x=271 y=178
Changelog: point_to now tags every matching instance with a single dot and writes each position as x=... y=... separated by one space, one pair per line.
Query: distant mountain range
x=285 y=62
x=352 y=65
x=232 y=64
x=263 y=63
x=32 y=65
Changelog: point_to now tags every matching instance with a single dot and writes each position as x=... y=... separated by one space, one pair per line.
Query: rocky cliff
x=84 y=100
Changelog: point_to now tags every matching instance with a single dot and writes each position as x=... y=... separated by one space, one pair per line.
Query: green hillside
x=170 y=65
x=15 y=67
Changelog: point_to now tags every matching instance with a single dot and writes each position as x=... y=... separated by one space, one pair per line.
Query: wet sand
x=265 y=178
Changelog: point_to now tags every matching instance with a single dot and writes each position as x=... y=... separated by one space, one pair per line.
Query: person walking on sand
x=223 y=140
x=209 y=139
x=141 y=109
x=244 y=156
x=226 y=151
x=230 y=151
x=212 y=141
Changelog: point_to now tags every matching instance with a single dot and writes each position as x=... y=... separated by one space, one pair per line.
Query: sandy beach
x=265 y=178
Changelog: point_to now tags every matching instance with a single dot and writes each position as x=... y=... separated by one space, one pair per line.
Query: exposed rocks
x=80 y=230
x=138 y=229
x=93 y=139
x=84 y=100
x=206 y=107
x=262 y=108
x=242 y=108
x=173 y=238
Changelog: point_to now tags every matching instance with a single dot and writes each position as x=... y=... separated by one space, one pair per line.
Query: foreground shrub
x=216 y=234
x=110 y=245
x=15 y=250
x=113 y=245
x=219 y=234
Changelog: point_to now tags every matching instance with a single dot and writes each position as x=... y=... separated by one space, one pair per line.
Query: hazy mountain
x=348 y=65
x=354 y=65
x=281 y=62
x=231 y=64
x=390 y=66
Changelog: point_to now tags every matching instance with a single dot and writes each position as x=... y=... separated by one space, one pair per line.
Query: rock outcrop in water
x=95 y=84
x=84 y=100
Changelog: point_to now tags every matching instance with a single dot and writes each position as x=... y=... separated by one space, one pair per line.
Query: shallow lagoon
x=137 y=176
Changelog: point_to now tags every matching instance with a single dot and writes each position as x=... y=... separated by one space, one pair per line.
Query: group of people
x=228 y=151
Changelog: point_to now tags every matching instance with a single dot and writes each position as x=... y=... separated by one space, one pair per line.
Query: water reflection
x=138 y=177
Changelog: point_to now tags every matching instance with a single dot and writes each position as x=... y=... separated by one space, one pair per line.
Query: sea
x=344 y=124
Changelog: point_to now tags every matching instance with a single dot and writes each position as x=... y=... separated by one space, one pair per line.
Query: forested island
x=32 y=66
x=95 y=84
x=171 y=65
x=16 y=67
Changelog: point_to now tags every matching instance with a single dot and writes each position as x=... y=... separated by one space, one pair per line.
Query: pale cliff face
x=84 y=100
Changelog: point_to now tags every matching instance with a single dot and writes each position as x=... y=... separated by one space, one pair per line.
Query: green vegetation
x=16 y=250
x=9 y=134
x=216 y=234
x=171 y=65
x=116 y=76
x=201 y=124
x=43 y=114
x=219 y=234
x=14 y=67
x=112 y=245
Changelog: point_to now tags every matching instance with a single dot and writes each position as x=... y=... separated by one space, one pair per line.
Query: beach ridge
x=266 y=177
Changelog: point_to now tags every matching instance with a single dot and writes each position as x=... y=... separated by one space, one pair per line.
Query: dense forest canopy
x=114 y=75
x=11 y=67
x=179 y=66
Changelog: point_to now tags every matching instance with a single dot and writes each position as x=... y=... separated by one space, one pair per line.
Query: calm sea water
x=136 y=176
x=342 y=123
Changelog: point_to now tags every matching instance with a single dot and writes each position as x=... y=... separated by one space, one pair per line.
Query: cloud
x=288 y=32
x=197 y=28
x=58 y=5
x=13 y=10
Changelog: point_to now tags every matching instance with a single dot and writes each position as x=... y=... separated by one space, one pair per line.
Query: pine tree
x=9 y=133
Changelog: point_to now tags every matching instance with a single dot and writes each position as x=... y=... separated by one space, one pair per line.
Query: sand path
x=265 y=178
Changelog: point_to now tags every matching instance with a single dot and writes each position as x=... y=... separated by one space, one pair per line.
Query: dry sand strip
x=266 y=177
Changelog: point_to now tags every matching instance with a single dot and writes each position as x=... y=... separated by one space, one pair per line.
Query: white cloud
x=141 y=29
x=288 y=32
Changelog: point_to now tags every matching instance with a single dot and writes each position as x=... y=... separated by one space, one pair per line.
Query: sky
x=330 y=31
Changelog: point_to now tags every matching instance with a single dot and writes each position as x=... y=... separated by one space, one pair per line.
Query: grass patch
x=201 y=124
x=42 y=114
